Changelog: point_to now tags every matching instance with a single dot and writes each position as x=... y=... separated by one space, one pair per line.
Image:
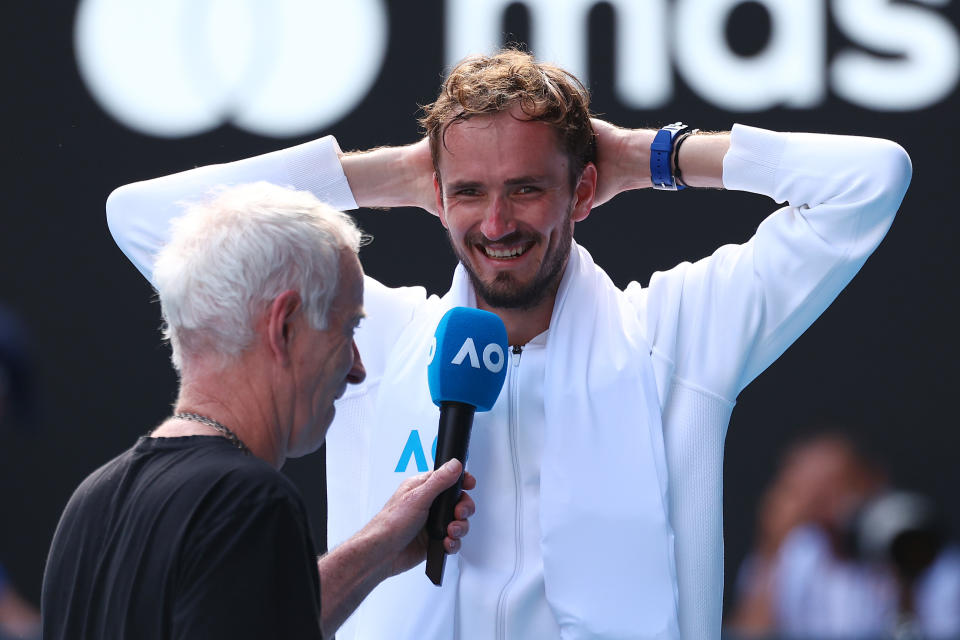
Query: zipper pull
x=517 y=352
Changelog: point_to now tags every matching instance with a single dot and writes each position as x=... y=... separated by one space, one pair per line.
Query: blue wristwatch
x=660 y=151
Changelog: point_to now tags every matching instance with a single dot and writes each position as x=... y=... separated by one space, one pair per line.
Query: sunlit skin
x=504 y=195
x=323 y=362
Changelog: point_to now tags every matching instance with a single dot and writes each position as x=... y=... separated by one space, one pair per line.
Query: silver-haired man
x=192 y=532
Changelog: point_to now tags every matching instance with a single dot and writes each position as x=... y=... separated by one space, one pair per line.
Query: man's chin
x=306 y=448
x=507 y=293
x=312 y=436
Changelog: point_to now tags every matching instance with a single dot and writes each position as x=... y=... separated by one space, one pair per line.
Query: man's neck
x=237 y=407
x=523 y=325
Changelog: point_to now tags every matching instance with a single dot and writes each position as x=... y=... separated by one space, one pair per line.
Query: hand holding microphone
x=466 y=372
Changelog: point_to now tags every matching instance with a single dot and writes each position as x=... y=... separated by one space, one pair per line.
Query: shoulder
x=229 y=475
x=233 y=492
x=381 y=300
x=204 y=472
x=102 y=480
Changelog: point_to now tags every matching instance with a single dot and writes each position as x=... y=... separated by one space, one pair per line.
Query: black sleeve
x=251 y=573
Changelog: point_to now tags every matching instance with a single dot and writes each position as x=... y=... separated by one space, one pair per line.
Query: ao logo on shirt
x=413 y=452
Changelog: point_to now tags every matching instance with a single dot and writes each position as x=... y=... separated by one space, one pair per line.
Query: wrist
x=416 y=166
x=372 y=543
x=664 y=165
x=635 y=159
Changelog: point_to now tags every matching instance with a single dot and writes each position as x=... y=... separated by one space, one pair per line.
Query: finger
x=458 y=529
x=469 y=482
x=465 y=508
x=451 y=545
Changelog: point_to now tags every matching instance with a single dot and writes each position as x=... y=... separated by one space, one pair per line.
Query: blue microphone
x=468 y=364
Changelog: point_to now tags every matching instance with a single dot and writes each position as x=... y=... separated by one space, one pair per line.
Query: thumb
x=443 y=478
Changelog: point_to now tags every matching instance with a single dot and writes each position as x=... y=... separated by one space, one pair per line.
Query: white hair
x=230 y=256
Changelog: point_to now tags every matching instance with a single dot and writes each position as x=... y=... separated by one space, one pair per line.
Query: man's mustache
x=516 y=237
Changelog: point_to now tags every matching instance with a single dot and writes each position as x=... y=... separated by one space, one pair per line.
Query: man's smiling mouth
x=507 y=253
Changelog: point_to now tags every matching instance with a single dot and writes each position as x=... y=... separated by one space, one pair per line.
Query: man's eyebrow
x=510 y=182
x=524 y=180
x=464 y=184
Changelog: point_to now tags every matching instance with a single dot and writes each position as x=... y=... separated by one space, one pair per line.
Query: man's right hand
x=394 y=541
x=400 y=524
x=392 y=176
x=623 y=160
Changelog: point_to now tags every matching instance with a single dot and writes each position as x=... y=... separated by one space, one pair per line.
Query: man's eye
x=527 y=189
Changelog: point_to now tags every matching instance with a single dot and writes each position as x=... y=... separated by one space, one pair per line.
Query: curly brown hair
x=481 y=85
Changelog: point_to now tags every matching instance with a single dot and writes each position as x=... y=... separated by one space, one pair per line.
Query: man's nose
x=357 y=372
x=497 y=219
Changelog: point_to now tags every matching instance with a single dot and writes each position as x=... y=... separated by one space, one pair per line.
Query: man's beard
x=506 y=293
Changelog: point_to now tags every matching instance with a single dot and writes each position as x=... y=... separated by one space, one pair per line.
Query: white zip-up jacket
x=712 y=326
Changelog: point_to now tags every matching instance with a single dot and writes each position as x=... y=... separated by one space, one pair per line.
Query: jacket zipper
x=513 y=412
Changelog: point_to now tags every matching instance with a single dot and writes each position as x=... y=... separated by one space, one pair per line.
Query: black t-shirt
x=183 y=538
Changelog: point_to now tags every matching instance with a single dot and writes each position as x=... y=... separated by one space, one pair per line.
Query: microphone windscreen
x=468 y=359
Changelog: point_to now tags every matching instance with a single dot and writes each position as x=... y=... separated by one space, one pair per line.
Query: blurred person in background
x=17 y=397
x=18 y=618
x=837 y=555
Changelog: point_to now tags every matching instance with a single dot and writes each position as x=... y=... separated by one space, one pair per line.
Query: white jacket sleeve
x=726 y=318
x=716 y=324
x=139 y=214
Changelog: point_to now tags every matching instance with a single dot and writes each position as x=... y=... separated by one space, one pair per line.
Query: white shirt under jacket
x=713 y=326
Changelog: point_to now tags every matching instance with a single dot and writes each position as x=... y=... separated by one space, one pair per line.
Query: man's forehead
x=504 y=137
x=474 y=128
x=349 y=292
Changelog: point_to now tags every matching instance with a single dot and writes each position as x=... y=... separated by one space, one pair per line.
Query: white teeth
x=505 y=253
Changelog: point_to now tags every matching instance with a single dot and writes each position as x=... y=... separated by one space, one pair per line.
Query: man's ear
x=438 y=193
x=585 y=191
x=281 y=316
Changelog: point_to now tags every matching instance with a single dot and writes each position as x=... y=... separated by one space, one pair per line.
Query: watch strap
x=661 y=150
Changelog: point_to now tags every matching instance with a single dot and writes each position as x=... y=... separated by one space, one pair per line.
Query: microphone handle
x=453 y=440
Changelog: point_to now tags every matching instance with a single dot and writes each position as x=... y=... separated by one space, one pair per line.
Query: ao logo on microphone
x=492 y=355
x=279 y=68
